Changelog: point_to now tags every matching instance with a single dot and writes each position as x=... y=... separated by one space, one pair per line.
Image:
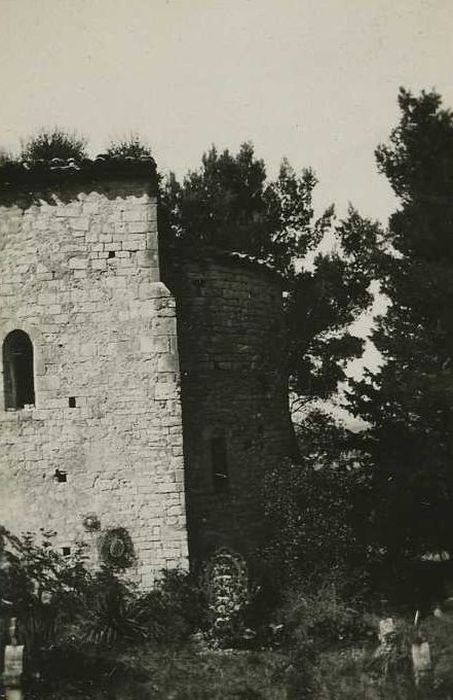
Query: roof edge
x=203 y=252
x=16 y=175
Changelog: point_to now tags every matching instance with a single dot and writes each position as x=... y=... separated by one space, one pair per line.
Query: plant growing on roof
x=56 y=143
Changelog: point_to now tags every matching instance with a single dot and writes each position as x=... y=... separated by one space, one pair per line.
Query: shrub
x=57 y=143
x=39 y=586
x=317 y=509
x=109 y=612
x=175 y=609
x=5 y=156
x=318 y=621
x=131 y=146
x=334 y=650
x=311 y=528
x=67 y=613
x=346 y=675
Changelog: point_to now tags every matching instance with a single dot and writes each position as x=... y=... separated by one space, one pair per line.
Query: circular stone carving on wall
x=116 y=548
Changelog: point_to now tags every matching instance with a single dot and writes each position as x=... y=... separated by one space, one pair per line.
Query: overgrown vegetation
x=316 y=511
x=93 y=635
x=57 y=143
x=131 y=146
x=68 y=615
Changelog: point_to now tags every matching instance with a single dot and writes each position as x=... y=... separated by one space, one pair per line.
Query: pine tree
x=409 y=402
x=230 y=203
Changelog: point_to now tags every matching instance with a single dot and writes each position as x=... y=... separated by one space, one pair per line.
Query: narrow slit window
x=220 y=476
x=198 y=284
x=18 y=378
x=72 y=402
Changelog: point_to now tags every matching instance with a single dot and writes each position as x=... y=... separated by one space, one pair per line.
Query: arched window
x=18 y=378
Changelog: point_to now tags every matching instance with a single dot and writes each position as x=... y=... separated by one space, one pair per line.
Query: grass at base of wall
x=144 y=674
x=346 y=672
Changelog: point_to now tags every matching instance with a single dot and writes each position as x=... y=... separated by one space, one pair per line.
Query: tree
x=231 y=204
x=409 y=402
x=322 y=304
x=46 y=145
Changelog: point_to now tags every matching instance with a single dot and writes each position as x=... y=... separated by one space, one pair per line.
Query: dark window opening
x=72 y=402
x=220 y=476
x=198 y=284
x=18 y=377
x=111 y=254
x=60 y=477
x=66 y=551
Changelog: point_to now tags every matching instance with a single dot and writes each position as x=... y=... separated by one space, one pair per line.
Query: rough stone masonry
x=92 y=441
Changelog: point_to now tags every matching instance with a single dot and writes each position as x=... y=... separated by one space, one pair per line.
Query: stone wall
x=232 y=346
x=79 y=274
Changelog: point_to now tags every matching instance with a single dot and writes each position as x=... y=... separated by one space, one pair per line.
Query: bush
x=67 y=612
x=317 y=510
x=174 y=610
x=46 y=145
x=39 y=587
x=346 y=675
x=6 y=157
x=311 y=529
x=130 y=146
x=109 y=613
x=315 y=622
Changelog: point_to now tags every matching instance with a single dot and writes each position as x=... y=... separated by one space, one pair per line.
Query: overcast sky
x=315 y=80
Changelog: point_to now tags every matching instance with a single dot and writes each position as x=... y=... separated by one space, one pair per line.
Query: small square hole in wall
x=60 y=477
x=66 y=551
x=111 y=254
x=72 y=402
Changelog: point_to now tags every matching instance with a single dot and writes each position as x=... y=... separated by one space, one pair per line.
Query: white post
x=421 y=660
x=14 y=665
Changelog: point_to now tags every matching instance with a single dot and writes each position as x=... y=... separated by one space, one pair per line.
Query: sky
x=313 y=80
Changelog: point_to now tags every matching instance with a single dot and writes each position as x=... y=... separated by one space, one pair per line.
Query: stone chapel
x=143 y=393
